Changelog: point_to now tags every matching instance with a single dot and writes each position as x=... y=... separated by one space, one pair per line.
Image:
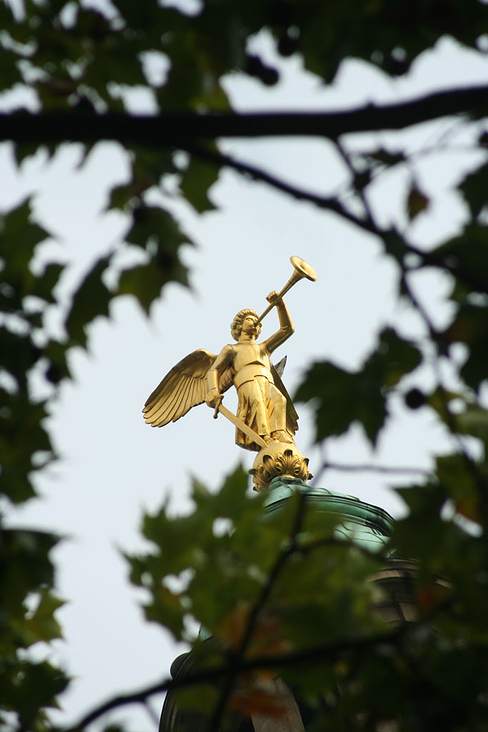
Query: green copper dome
x=367 y=526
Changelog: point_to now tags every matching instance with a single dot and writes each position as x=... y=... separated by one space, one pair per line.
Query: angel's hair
x=236 y=325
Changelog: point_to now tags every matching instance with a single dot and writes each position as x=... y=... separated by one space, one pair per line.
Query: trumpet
x=301 y=270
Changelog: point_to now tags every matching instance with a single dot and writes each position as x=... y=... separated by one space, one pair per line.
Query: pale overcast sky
x=113 y=466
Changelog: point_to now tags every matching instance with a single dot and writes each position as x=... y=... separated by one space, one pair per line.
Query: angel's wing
x=182 y=388
x=291 y=413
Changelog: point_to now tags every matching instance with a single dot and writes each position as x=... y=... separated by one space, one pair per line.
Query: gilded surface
x=279 y=460
x=265 y=413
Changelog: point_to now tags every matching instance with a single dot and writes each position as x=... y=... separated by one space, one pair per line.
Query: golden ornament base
x=279 y=459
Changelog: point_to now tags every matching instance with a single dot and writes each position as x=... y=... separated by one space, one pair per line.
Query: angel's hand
x=273 y=297
x=213 y=398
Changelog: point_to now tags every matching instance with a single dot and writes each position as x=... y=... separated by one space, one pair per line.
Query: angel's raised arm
x=184 y=387
x=286 y=326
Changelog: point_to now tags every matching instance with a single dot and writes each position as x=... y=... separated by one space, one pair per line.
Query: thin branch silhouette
x=313 y=655
x=329 y=203
x=369 y=468
x=236 y=663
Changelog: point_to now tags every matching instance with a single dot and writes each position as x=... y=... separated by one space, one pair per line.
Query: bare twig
x=326 y=203
x=368 y=468
x=152 y=714
x=372 y=227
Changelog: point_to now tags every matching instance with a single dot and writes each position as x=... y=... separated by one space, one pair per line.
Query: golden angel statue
x=264 y=405
x=266 y=418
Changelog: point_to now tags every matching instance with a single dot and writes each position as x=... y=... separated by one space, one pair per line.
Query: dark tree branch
x=323 y=202
x=238 y=657
x=367 y=223
x=170 y=130
x=317 y=654
x=237 y=663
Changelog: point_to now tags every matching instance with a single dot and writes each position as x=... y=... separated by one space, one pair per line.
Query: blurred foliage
x=341 y=397
x=281 y=585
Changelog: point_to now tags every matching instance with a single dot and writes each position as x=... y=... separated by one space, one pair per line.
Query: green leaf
x=9 y=72
x=18 y=239
x=40 y=625
x=422 y=534
x=394 y=245
x=23 y=434
x=19 y=354
x=441 y=402
x=466 y=257
x=57 y=368
x=325 y=595
x=342 y=397
x=474 y=189
x=385 y=157
x=157 y=228
x=417 y=202
x=25 y=150
x=156 y=231
x=230 y=501
x=122 y=196
x=166 y=609
x=196 y=182
x=464 y=481
x=44 y=284
x=146 y=281
x=197 y=701
x=395 y=357
x=474 y=421
x=90 y=300
x=25 y=566
x=36 y=686
x=470 y=326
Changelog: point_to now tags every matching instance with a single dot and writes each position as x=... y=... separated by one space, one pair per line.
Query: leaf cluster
x=299 y=586
x=275 y=590
x=342 y=398
x=28 y=604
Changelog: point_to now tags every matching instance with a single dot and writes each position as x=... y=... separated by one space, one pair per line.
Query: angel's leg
x=252 y=408
x=276 y=403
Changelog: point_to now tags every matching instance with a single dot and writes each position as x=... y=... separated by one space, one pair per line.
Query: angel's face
x=249 y=325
